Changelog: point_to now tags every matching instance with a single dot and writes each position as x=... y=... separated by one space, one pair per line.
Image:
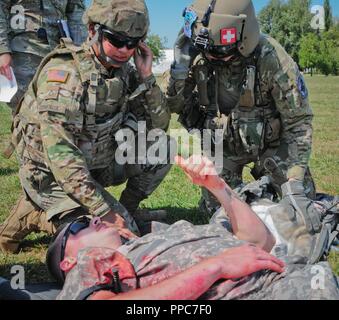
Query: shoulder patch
x=60 y=76
x=302 y=87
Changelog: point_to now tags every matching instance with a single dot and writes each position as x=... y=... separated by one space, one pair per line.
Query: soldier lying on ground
x=64 y=132
x=184 y=261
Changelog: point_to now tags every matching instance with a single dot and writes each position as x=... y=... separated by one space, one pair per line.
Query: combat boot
x=144 y=218
x=150 y=215
x=24 y=219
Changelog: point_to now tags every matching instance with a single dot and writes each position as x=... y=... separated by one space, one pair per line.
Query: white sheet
x=7 y=88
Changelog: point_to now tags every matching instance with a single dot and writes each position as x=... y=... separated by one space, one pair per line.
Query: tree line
x=294 y=26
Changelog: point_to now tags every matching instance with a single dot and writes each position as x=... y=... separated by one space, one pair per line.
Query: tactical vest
x=98 y=112
x=253 y=124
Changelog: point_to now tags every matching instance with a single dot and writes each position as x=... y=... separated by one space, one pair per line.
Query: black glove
x=297 y=204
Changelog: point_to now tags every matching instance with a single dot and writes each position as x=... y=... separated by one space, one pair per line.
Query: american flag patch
x=57 y=76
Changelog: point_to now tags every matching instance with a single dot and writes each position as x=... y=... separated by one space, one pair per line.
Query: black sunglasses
x=74 y=228
x=120 y=41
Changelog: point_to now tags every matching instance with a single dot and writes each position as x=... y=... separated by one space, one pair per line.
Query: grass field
x=176 y=194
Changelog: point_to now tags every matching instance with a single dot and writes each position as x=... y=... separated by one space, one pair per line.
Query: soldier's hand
x=243 y=261
x=299 y=206
x=5 y=63
x=119 y=223
x=143 y=59
x=201 y=171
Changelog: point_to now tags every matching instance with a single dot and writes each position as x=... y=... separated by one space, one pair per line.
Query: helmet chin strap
x=97 y=39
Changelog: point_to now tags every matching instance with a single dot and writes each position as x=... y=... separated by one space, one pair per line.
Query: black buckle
x=42 y=34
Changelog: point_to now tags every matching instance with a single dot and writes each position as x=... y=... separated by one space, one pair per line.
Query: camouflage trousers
x=232 y=173
x=24 y=66
x=25 y=218
x=142 y=179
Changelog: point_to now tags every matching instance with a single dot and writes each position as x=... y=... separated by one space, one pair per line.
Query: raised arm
x=246 y=224
x=152 y=99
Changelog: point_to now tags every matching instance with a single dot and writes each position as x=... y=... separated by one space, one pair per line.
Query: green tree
x=336 y=23
x=287 y=22
x=157 y=45
x=328 y=15
x=269 y=17
x=309 y=51
x=329 y=52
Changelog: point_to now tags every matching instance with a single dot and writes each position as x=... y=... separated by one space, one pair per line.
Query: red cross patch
x=228 y=36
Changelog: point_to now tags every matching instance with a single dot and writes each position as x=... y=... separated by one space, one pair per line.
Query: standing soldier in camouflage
x=228 y=76
x=64 y=131
x=29 y=31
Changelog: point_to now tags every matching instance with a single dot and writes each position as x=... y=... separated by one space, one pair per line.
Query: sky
x=166 y=15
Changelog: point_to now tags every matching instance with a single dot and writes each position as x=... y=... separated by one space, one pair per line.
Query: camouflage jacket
x=279 y=93
x=171 y=249
x=66 y=124
x=20 y=21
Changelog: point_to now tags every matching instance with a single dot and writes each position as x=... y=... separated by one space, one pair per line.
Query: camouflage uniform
x=273 y=120
x=153 y=258
x=19 y=33
x=64 y=137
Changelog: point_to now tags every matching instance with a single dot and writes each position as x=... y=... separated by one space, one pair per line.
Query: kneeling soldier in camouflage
x=64 y=130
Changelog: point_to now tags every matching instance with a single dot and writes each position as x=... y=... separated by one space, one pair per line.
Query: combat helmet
x=123 y=22
x=222 y=27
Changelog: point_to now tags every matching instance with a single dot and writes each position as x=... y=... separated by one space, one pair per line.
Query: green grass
x=176 y=194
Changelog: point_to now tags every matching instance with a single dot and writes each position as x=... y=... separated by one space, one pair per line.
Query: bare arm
x=190 y=284
x=246 y=224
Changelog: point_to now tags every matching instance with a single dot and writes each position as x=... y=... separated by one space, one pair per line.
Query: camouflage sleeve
x=4 y=26
x=157 y=108
x=180 y=73
x=291 y=98
x=153 y=102
x=61 y=119
x=74 y=11
x=175 y=95
x=179 y=93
